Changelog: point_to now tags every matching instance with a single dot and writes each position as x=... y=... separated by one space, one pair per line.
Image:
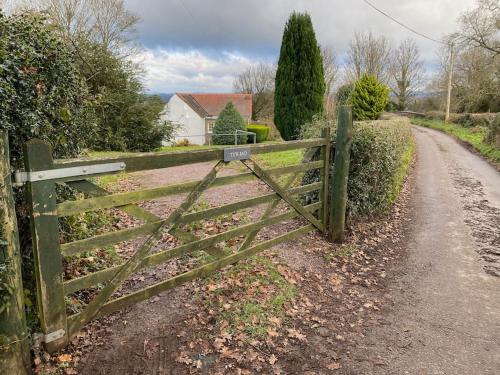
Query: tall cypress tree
x=300 y=85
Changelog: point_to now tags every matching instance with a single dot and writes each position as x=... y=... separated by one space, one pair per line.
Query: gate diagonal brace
x=135 y=260
x=266 y=178
x=270 y=208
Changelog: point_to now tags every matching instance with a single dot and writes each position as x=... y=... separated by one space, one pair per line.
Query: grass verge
x=402 y=172
x=473 y=136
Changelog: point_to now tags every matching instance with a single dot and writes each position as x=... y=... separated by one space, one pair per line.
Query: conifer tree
x=300 y=84
x=228 y=122
x=369 y=98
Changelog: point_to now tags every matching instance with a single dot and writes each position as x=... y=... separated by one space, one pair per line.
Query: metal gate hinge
x=49 y=337
x=21 y=177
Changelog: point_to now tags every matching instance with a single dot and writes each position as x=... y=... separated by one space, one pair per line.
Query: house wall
x=192 y=126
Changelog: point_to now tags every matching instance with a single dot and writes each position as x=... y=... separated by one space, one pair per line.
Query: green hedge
x=261 y=131
x=464 y=119
x=380 y=159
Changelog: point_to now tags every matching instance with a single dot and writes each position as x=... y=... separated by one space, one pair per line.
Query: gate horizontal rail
x=157 y=160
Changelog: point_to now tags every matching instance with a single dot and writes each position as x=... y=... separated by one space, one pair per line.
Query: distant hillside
x=165 y=96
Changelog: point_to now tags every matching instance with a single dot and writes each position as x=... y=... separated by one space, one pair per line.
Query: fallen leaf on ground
x=64 y=358
x=294 y=334
x=334 y=366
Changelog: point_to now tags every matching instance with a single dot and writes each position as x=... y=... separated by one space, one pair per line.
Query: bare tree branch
x=406 y=72
x=480 y=26
x=259 y=81
x=368 y=55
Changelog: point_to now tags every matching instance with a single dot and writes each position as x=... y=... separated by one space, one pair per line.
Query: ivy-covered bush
x=42 y=94
x=368 y=98
x=228 y=122
x=381 y=154
x=261 y=132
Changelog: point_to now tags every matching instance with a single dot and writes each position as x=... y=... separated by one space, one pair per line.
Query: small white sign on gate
x=238 y=153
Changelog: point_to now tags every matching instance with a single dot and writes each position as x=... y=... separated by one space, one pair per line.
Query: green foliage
x=41 y=92
x=381 y=154
x=494 y=131
x=228 y=122
x=369 y=98
x=343 y=95
x=127 y=119
x=143 y=130
x=464 y=119
x=261 y=132
x=300 y=84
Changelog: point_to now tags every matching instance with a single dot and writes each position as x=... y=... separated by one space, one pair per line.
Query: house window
x=211 y=126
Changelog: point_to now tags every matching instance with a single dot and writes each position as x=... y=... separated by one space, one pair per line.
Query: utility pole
x=450 y=72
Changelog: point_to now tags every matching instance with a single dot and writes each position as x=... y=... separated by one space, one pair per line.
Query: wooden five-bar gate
x=42 y=174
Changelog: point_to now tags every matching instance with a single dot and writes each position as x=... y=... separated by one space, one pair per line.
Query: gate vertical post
x=14 y=340
x=46 y=249
x=325 y=177
x=338 y=202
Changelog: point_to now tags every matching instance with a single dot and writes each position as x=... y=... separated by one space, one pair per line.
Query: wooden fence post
x=46 y=249
x=338 y=201
x=325 y=175
x=14 y=340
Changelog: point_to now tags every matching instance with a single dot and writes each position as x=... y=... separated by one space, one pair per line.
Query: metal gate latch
x=21 y=177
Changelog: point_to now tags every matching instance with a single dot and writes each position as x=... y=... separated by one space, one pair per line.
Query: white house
x=196 y=113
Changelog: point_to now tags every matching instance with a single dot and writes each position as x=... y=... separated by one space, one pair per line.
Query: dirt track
x=446 y=316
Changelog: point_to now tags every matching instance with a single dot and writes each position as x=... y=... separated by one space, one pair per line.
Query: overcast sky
x=200 y=45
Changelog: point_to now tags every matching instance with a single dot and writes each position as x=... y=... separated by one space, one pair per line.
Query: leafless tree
x=476 y=68
x=331 y=75
x=481 y=26
x=330 y=68
x=105 y=22
x=113 y=24
x=368 y=54
x=258 y=80
x=476 y=79
x=72 y=16
x=406 y=72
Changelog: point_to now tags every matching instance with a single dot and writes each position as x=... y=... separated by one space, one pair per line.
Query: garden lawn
x=472 y=136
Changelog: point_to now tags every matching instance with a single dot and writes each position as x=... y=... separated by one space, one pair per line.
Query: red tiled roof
x=208 y=105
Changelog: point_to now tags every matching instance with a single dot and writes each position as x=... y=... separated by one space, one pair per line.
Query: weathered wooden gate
x=42 y=173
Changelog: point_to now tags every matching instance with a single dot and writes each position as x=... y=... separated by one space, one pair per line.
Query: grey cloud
x=255 y=27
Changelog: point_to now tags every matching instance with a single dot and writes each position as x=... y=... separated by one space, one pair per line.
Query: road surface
x=446 y=315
